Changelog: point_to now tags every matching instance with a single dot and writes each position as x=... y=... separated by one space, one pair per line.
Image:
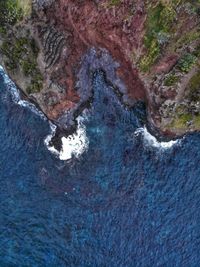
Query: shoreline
x=70 y=130
x=53 y=53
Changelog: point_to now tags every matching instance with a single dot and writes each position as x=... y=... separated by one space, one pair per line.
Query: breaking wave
x=76 y=144
x=73 y=145
x=15 y=94
x=153 y=142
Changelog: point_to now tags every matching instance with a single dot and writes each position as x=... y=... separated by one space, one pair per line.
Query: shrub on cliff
x=171 y=80
x=10 y=12
x=158 y=27
x=13 y=11
x=194 y=87
x=186 y=62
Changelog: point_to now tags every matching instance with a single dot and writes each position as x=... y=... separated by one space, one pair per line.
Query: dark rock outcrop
x=149 y=50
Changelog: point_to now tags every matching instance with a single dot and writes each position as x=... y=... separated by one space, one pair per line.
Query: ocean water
x=122 y=200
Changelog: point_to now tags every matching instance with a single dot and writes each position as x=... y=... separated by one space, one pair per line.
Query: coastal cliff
x=148 y=50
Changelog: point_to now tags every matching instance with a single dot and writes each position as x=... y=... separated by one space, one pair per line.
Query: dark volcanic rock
x=148 y=50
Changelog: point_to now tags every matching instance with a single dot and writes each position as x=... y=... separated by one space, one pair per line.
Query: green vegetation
x=196 y=121
x=150 y=58
x=13 y=11
x=15 y=51
x=161 y=28
x=25 y=6
x=158 y=29
x=194 y=87
x=22 y=53
x=114 y=3
x=181 y=121
x=186 y=62
x=10 y=12
x=183 y=112
x=194 y=83
x=35 y=85
x=197 y=52
x=171 y=79
x=28 y=67
x=187 y=38
x=195 y=6
x=2 y=30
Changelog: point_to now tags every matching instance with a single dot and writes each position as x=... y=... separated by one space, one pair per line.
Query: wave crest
x=15 y=94
x=73 y=145
x=152 y=141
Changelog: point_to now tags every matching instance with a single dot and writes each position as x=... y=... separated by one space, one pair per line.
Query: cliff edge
x=149 y=51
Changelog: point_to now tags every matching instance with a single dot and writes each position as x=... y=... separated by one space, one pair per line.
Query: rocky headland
x=148 y=50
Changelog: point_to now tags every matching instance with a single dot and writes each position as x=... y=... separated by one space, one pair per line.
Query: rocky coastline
x=52 y=49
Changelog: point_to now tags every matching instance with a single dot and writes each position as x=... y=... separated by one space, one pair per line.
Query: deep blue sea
x=123 y=202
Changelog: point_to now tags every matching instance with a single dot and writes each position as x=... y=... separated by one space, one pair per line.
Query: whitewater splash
x=16 y=95
x=73 y=145
x=152 y=141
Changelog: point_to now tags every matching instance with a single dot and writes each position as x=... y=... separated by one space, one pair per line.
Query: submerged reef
x=148 y=50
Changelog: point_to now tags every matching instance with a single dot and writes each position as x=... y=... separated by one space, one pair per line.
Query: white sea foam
x=152 y=141
x=16 y=95
x=48 y=139
x=32 y=107
x=73 y=145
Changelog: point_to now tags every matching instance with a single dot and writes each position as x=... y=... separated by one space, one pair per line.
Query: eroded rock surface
x=149 y=50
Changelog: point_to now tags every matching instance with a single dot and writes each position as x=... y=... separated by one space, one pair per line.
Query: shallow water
x=123 y=202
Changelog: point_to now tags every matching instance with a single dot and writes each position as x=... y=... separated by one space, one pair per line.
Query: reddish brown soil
x=93 y=25
x=120 y=29
x=166 y=64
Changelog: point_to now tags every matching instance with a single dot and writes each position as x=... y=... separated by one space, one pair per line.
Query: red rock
x=99 y=27
x=166 y=64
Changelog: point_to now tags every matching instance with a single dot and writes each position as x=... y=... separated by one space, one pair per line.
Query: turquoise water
x=123 y=202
